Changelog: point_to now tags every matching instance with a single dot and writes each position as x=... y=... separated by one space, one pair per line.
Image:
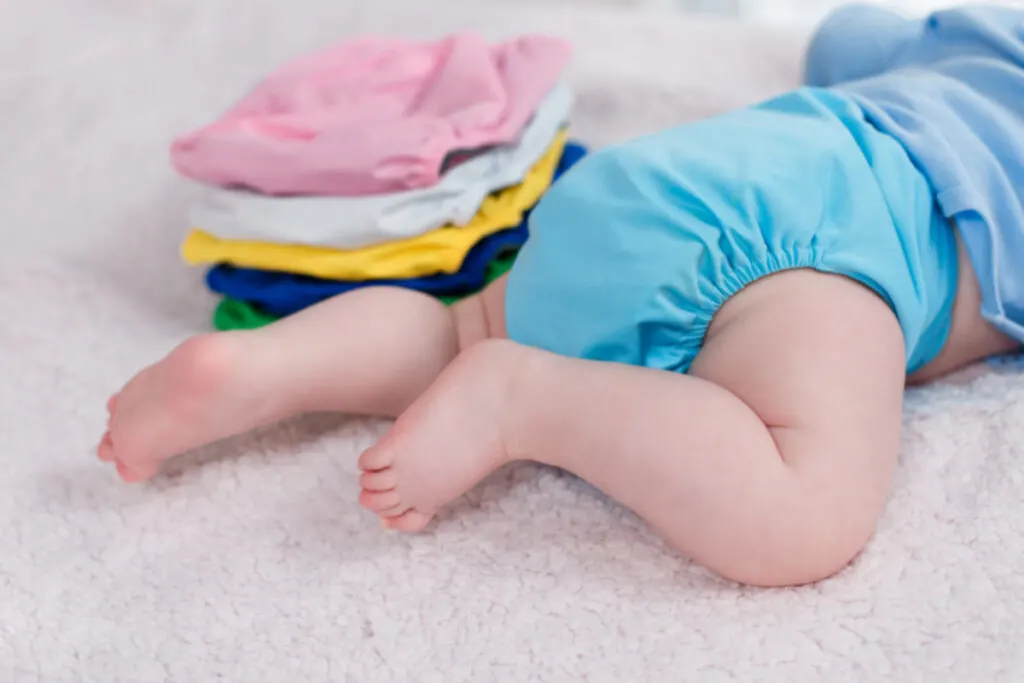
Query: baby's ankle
x=516 y=371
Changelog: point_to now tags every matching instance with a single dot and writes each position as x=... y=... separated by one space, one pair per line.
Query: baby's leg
x=371 y=352
x=770 y=463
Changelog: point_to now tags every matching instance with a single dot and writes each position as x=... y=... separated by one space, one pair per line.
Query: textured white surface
x=252 y=561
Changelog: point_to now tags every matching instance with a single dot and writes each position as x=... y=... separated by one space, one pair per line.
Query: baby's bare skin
x=770 y=462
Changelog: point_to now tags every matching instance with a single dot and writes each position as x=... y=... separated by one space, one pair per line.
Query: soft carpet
x=251 y=561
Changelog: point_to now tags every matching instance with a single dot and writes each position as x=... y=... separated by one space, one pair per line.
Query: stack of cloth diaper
x=377 y=162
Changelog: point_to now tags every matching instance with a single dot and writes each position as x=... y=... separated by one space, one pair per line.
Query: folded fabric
x=232 y=314
x=374 y=115
x=236 y=314
x=354 y=222
x=284 y=293
x=438 y=251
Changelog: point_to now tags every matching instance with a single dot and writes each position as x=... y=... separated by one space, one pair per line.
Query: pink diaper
x=374 y=115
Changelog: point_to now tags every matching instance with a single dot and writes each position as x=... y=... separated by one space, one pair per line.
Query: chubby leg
x=370 y=352
x=770 y=463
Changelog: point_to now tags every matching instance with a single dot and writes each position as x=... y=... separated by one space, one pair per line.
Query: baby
x=713 y=324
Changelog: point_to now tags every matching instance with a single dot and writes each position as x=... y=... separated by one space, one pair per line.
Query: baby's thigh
x=821 y=360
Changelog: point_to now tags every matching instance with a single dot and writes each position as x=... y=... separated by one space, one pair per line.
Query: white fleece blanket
x=252 y=561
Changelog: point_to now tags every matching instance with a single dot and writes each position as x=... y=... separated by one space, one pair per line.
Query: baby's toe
x=105 y=451
x=380 y=502
x=136 y=472
x=384 y=480
x=126 y=474
x=377 y=458
x=411 y=521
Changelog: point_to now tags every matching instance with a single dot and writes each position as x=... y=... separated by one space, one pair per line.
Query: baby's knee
x=801 y=545
x=794 y=562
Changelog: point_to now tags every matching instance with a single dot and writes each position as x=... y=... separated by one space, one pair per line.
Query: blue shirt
x=950 y=89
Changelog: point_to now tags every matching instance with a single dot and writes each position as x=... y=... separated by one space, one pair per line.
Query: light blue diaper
x=633 y=251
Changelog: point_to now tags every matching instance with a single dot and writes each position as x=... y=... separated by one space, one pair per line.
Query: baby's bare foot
x=196 y=395
x=446 y=442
